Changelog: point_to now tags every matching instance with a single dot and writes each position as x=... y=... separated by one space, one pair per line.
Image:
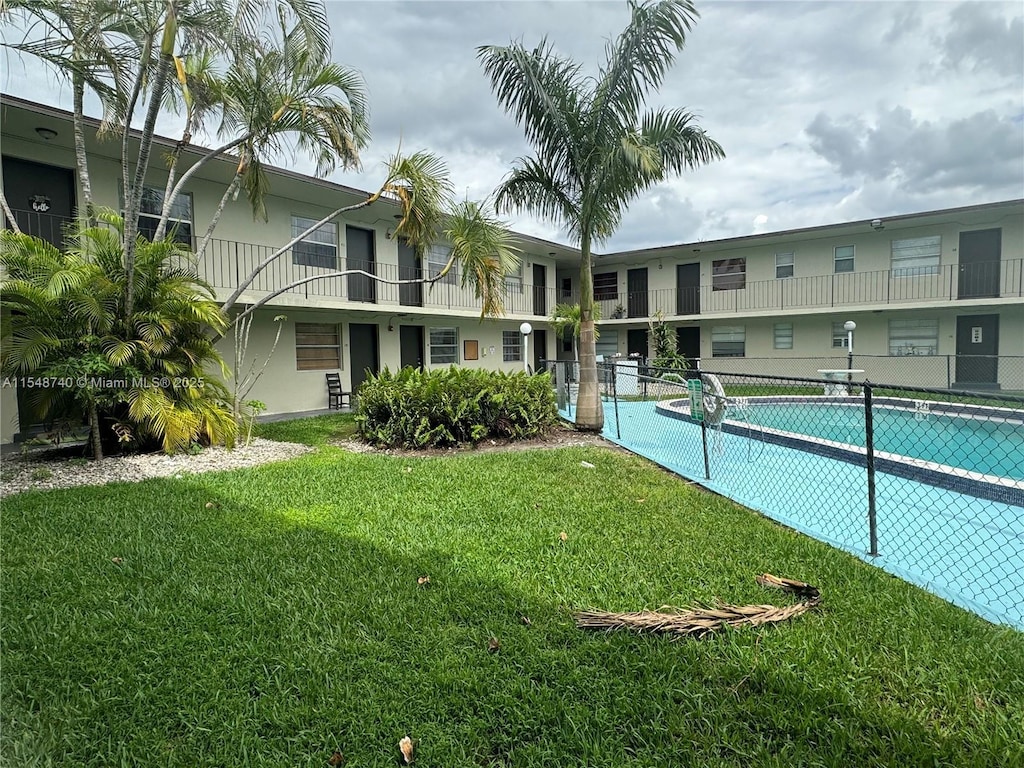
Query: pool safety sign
x=696 y=399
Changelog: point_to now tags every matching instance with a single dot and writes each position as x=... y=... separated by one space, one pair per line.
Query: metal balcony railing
x=226 y=262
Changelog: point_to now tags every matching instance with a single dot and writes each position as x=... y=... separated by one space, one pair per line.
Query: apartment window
x=840 y=336
x=444 y=345
x=511 y=346
x=437 y=258
x=317 y=249
x=317 y=347
x=913 y=337
x=606 y=286
x=566 y=287
x=783 y=335
x=844 y=258
x=784 y=263
x=179 y=222
x=916 y=256
x=728 y=274
x=514 y=281
x=728 y=341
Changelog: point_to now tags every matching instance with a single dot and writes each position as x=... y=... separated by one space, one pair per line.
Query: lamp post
x=526 y=329
x=850 y=327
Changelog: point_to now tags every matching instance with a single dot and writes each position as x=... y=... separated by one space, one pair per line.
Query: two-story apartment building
x=945 y=284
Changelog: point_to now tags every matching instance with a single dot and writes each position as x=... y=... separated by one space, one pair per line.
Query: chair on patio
x=336 y=396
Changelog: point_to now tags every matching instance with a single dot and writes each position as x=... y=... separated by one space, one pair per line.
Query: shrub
x=421 y=409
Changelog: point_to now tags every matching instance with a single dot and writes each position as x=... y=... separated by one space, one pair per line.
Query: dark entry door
x=977 y=349
x=409 y=269
x=540 y=286
x=412 y=345
x=359 y=254
x=42 y=197
x=980 y=252
x=540 y=349
x=688 y=343
x=688 y=289
x=363 y=352
x=636 y=289
x=636 y=342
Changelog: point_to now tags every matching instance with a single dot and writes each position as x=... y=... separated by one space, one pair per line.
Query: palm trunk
x=589 y=413
x=172 y=171
x=94 y=421
x=201 y=248
x=12 y=222
x=81 y=161
x=133 y=201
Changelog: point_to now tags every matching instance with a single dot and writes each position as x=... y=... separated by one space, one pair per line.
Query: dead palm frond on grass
x=699 y=621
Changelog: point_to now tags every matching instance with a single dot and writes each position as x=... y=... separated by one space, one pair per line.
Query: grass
x=268 y=617
x=316 y=430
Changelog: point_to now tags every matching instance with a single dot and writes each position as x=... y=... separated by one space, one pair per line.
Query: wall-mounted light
x=877 y=225
x=46 y=134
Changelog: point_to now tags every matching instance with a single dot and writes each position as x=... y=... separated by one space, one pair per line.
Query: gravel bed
x=25 y=472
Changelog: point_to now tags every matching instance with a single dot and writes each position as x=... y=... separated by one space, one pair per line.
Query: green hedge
x=421 y=409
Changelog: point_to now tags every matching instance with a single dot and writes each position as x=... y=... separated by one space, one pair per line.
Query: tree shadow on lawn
x=197 y=630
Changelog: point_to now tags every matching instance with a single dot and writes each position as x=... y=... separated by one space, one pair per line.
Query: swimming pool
x=971 y=449
x=956 y=532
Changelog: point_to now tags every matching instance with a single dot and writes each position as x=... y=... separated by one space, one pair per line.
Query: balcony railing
x=225 y=263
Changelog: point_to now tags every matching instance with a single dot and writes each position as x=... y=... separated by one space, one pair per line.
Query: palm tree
x=594 y=150
x=69 y=323
x=567 y=318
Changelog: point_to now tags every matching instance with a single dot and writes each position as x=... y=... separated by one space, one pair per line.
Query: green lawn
x=143 y=626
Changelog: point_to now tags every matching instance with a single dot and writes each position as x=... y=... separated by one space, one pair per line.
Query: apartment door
x=980 y=251
x=688 y=289
x=540 y=349
x=688 y=343
x=636 y=290
x=42 y=197
x=364 y=352
x=977 y=349
x=409 y=269
x=412 y=345
x=360 y=255
x=540 y=304
x=636 y=342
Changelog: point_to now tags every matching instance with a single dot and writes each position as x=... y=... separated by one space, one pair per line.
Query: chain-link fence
x=926 y=483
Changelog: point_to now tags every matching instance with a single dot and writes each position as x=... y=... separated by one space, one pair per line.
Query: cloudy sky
x=827 y=111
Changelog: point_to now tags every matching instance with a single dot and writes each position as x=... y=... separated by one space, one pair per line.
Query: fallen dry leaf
x=563 y=536
x=586 y=464
x=526 y=620
x=336 y=759
x=423 y=580
x=210 y=505
x=640 y=501
x=406 y=746
x=493 y=645
x=117 y=560
x=407 y=469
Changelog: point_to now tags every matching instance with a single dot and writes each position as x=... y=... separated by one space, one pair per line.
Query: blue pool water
x=992 y=446
x=966 y=549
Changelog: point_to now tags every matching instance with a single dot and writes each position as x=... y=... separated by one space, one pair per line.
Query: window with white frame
x=317 y=249
x=916 y=256
x=437 y=258
x=444 y=345
x=317 y=347
x=914 y=337
x=606 y=286
x=728 y=341
x=728 y=274
x=514 y=281
x=843 y=257
x=511 y=346
x=840 y=336
x=783 y=335
x=784 y=264
x=179 y=220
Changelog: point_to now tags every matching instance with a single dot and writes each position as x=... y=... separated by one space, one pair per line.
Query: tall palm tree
x=595 y=150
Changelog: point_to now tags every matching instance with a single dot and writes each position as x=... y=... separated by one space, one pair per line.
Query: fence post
x=869 y=444
x=615 y=396
x=704 y=443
